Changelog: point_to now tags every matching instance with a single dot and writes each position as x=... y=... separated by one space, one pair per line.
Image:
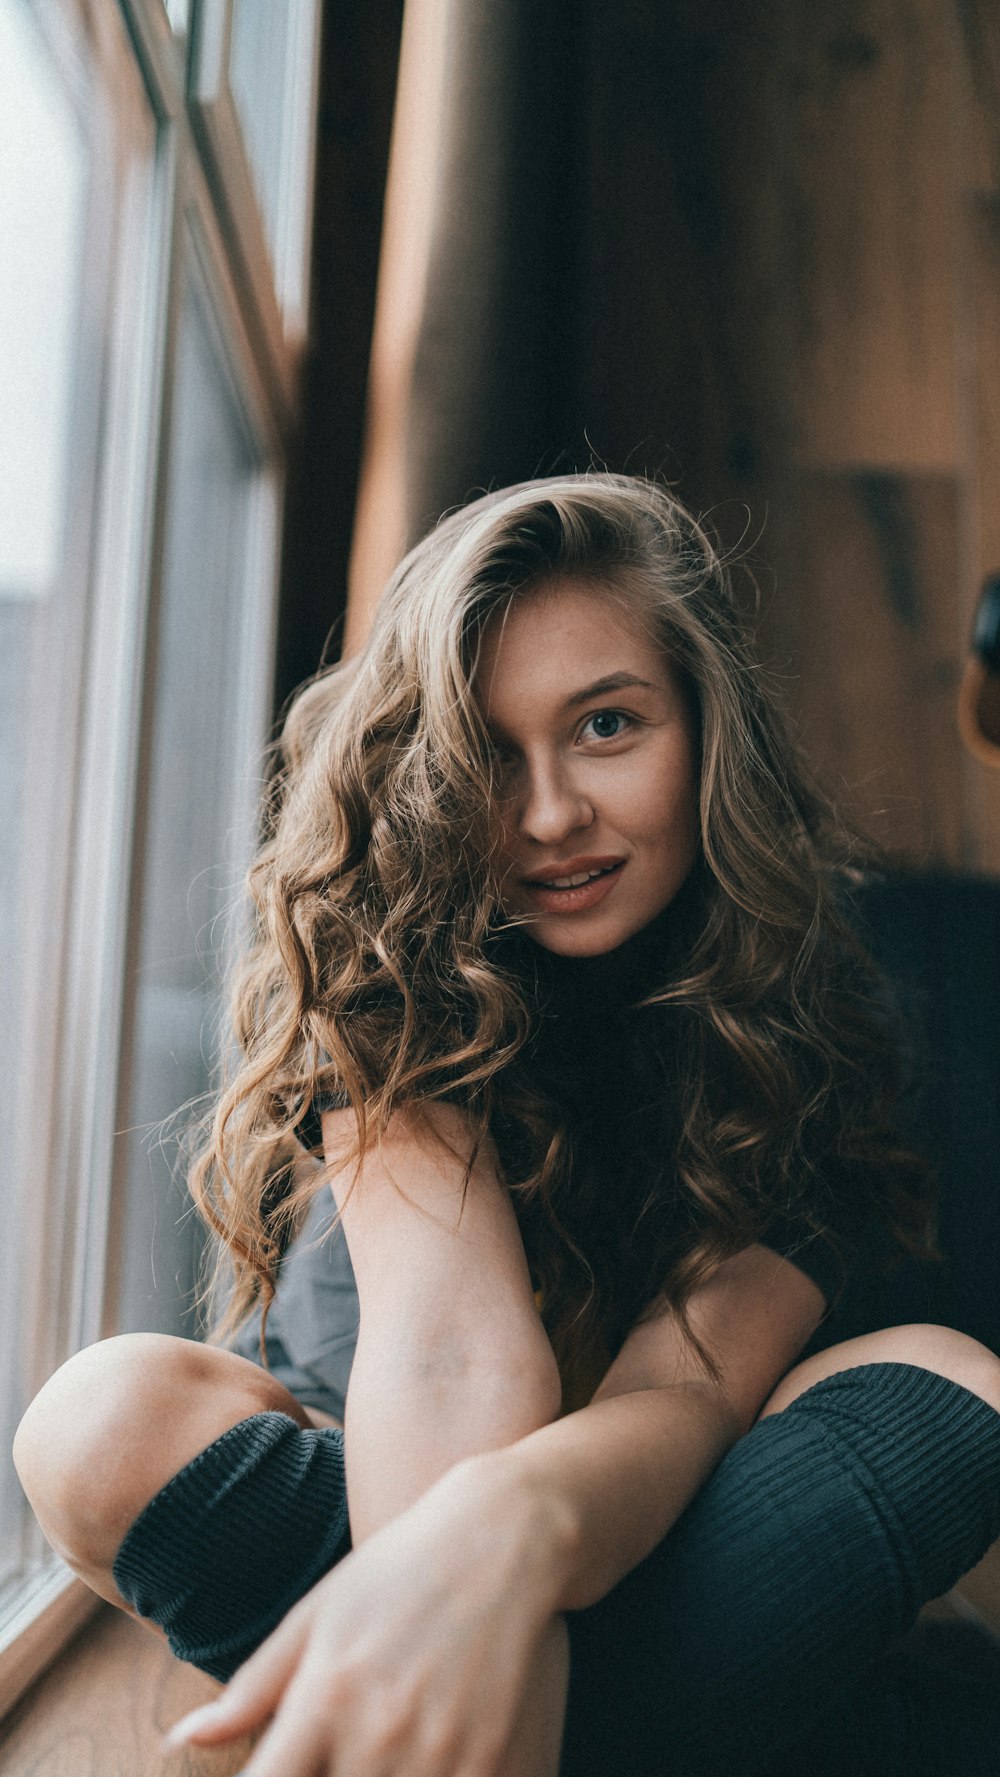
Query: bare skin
x=155 y=1402
x=438 y=1645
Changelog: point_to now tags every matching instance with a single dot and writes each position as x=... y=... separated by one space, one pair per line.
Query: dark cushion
x=938 y=939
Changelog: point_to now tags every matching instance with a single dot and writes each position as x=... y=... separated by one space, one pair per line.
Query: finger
x=252 y=1694
x=297 y=1744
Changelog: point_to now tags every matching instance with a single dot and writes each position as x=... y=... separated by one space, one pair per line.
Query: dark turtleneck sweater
x=612 y=1066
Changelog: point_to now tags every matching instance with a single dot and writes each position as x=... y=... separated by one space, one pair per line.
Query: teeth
x=573 y=881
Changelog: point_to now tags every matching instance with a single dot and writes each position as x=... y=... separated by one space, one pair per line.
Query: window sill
x=40 y=1614
x=104 y=1707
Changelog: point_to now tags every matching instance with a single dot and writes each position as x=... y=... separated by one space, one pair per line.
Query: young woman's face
x=598 y=808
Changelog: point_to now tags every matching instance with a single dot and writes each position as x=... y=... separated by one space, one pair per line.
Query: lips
x=572 y=872
x=573 y=887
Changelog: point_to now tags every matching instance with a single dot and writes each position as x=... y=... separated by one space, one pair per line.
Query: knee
x=113 y=1424
x=941 y=1350
x=949 y=1353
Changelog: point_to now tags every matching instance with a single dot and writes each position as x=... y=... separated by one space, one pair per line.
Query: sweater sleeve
x=820 y=1257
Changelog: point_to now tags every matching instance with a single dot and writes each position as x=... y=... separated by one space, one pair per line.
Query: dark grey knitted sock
x=904 y=1718
x=804 y=1557
x=236 y=1538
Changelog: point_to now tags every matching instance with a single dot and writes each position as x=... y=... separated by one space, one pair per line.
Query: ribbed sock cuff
x=933 y=1450
x=226 y=1548
x=800 y=1561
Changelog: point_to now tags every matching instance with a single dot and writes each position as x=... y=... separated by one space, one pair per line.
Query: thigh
x=807 y=1553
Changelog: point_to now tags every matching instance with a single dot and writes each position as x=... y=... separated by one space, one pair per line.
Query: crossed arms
x=478 y=1515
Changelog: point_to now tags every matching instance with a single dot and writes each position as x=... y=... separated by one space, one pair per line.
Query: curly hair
x=382 y=966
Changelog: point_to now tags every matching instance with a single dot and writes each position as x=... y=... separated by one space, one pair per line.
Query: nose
x=554 y=803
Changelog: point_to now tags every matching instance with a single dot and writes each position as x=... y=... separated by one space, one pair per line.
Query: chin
x=566 y=942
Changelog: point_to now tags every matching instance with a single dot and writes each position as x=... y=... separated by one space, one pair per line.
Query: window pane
x=257 y=76
x=200 y=795
x=271 y=71
x=43 y=181
x=42 y=189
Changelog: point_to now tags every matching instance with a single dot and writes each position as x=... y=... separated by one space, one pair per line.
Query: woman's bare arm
x=438 y=1644
x=453 y=1361
x=452 y=1358
x=621 y=1470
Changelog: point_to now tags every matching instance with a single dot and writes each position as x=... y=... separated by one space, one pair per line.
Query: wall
x=792 y=303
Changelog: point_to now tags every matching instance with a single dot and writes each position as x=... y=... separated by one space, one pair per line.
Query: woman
x=552 y=930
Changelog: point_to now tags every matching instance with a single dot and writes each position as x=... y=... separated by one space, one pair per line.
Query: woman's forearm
x=452 y=1358
x=593 y=1492
x=621 y=1471
x=609 y=1481
x=418 y=1405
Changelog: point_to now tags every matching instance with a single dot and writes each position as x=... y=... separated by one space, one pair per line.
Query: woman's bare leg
x=115 y=1423
x=123 y=1418
x=938 y=1349
x=120 y=1419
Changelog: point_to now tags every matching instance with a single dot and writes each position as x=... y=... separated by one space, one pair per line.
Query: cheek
x=674 y=829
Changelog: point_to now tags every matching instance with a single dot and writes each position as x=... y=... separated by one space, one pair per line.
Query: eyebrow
x=612 y=682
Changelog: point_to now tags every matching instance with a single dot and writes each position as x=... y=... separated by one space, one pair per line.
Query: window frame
x=277 y=292
x=47 y=1604
x=186 y=233
x=199 y=256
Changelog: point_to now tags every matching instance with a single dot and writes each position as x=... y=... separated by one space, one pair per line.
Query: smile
x=565 y=882
x=577 y=890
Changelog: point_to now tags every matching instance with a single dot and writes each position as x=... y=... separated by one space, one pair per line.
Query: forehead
x=562 y=635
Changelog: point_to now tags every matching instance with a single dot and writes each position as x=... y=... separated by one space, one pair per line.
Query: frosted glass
x=43 y=167
x=197 y=796
x=257 y=75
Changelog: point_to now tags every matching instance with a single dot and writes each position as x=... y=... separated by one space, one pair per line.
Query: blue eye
x=607 y=724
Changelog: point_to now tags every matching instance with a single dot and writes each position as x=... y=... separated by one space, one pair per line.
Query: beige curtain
x=550 y=289
x=475 y=331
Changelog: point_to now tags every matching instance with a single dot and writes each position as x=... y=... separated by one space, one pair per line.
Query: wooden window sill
x=103 y=1707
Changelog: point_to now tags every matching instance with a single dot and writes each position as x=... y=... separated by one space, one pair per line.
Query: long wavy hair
x=382 y=967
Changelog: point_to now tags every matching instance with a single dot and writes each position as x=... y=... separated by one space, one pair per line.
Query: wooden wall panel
x=879 y=658
x=794 y=284
x=981 y=786
x=863 y=222
x=979 y=21
x=874 y=142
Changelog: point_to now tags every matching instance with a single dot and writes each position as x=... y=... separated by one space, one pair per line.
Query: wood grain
x=979 y=24
x=103 y=1708
x=872 y=116
x=879 y=655
x=982 y=786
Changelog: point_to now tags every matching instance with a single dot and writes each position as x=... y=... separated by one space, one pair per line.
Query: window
x=203 y=782
x=145 y=390
x=251 y=63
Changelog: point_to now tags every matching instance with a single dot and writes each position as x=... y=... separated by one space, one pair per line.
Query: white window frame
x=277 y=292
x=187 y=232
x=48 y=1604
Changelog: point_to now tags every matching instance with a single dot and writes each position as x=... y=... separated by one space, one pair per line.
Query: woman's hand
x=432 y=1649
